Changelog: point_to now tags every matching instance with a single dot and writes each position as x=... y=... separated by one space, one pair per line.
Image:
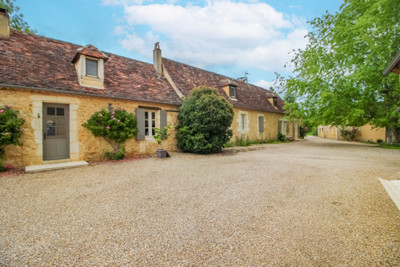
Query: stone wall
x=83 y=145
x=367 y=133
x=329 y=132
x=250 y=129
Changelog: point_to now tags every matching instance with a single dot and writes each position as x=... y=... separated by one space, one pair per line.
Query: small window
x=149 y=123
x=91 y=67
x=232 y=91
x=243 y=126
x=260 y=124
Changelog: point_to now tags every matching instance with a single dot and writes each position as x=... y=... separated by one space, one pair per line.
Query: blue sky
x=227 y=37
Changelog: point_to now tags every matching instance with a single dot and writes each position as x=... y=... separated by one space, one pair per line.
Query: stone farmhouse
x=57 y=86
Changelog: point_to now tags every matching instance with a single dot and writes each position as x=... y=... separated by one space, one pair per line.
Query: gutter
x=5 y=85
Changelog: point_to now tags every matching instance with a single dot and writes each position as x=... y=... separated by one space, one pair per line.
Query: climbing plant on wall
x=115 y=127
x=10 y=130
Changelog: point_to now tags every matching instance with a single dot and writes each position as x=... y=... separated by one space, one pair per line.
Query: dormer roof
x=91 y=51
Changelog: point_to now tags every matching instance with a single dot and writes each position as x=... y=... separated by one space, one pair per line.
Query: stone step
x=393 y=189
x=55 y=166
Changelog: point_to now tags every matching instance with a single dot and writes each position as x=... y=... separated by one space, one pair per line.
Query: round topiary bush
x=204 y=120
x=115 y=127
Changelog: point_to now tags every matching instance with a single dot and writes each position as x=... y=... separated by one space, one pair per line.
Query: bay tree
x=204 y=120
x=338 y=78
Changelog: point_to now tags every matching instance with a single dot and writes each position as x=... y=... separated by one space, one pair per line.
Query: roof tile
x=248 y=96
x=35 y=61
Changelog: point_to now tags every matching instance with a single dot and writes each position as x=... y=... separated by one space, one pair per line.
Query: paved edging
x=393 y=189
x=55 y=166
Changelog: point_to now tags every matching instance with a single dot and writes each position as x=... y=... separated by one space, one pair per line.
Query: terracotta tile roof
x=89 y=50
x=248 y=96
x=29 y=60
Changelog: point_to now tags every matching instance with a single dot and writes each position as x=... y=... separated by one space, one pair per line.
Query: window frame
x=243 y=122
x=261 y=129
x=232 y=88
x=150 y=133
x=97 y=66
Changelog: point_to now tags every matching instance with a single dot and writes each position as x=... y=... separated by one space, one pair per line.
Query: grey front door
x=55 y=131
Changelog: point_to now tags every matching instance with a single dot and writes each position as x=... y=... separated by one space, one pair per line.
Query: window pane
x=232 y=91
x=91 y=67
x=51 y=111
x=153 y=115
x=60 y=111
x=50 y=128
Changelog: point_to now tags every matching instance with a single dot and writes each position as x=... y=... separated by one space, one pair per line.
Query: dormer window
x=229 y=86
x=232 y=91
x=91 y=67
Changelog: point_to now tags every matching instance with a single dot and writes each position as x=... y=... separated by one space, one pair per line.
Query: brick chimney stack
x=157 y=60
x=4 y=23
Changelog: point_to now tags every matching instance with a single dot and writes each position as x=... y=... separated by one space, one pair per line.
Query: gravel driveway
x=313 y=202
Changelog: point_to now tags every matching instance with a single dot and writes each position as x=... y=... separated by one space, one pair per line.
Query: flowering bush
x=10 y=130
x=115 y=127
x=350 y=134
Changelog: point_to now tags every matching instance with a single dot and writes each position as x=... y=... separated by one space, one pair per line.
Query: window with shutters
x=147 y=119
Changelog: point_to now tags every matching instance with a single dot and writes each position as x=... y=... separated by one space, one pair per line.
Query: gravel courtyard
x=313 y=202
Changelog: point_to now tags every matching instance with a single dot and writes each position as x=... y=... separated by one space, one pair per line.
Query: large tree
x=16 y=18
x=338 y=76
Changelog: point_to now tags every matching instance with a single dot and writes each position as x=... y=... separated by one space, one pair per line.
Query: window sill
x=149 y=138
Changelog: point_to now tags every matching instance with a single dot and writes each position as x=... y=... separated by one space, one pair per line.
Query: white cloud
x=250 y=35
x=265 y=84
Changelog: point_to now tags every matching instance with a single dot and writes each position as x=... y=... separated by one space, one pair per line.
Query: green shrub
x=281 y=137
x=303 y=130
x=204 y=120
x=116 y=155
x=379 y=141
x=115 y=127
x=161 y=135
x=10 y=130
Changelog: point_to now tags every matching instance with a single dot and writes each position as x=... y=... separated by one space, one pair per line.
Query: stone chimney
x=157 y=60
x=4 y=23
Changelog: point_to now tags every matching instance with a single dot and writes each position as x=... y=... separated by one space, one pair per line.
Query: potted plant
x=161 y=134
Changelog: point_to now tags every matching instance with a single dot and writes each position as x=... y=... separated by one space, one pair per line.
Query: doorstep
x=393 y=189
x=55 y=166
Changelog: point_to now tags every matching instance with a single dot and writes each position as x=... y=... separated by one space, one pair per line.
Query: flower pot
x=162 y=153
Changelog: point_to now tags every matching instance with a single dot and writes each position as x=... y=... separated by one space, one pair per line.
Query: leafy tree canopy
x=16 y=18
x=204 y=121
x=338 y=76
